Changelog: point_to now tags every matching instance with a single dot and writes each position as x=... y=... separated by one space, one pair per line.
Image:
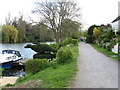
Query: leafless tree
x=54 y=13
x=8 y=20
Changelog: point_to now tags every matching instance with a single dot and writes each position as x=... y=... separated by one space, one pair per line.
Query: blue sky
x=93 y=11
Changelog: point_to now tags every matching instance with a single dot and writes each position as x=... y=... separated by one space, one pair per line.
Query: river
x=25 y=52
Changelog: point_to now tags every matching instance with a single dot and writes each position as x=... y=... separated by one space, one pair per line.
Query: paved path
x=7 y=80
x=95 y=70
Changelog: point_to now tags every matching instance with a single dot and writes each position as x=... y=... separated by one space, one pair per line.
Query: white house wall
x=115 y=26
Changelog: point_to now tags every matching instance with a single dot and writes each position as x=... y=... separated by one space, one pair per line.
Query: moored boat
x=8 y=57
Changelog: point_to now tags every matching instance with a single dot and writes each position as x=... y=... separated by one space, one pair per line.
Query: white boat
x=8 y=57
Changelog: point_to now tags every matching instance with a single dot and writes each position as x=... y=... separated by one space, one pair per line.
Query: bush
x=119 y=42
x=66 y=41
x=9 y=85
x=108 y=46
x=103 y=45
x=90 y=39
x=35 y=65
x=54 y=45
x=20 y=79
x=70 y=45
x=41 y=48
x=118 y=32
x=74 y=42
x=63 y=55
x=48 y=56
x=106 y=40
x=69 y=41
x=1 y=71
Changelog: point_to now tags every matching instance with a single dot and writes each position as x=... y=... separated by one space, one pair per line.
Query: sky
x=92 y=11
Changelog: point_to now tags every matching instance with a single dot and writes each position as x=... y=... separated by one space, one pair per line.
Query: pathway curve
x=95 y=70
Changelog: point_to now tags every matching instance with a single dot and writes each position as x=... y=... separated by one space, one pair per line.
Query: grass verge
x=55 y=76
x=106 y=52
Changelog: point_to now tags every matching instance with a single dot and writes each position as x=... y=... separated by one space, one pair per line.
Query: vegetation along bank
x=51 y=73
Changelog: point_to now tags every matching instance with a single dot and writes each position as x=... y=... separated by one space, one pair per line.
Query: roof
x=117 y=19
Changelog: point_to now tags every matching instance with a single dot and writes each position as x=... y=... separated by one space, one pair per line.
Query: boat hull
x=8 y=64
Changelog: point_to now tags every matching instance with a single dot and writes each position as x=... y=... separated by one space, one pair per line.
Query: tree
x=8 y=20
x=90 y=29
x=107 y=31
x=44 y=32
x=9 y=34
x=70 y=29
x=83 y=34
x=15 y=22
x=22 y=30
x=90 y=37
x=54 y=13
x=96 y=32
x=40 y=33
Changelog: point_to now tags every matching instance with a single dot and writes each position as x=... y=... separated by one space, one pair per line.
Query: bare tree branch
x=54 y=13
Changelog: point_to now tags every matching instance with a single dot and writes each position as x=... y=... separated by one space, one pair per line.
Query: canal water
x=26 y=53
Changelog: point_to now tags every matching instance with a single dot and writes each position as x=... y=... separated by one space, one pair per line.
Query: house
x=116 y=28
x=116 y=24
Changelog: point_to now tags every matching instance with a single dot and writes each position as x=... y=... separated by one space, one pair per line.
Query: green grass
x=57 y=75
x=105 y=52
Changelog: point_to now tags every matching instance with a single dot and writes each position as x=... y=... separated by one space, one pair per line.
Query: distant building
x=116 y=28
x=116 y=24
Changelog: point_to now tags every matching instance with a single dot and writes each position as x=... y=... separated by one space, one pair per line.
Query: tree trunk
x=57 y=38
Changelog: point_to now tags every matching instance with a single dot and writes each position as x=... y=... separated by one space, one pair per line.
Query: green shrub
x=70 y=45
x=66 y=41
x=48 y=56
x=35 y=65
x=103 y=45
x=9 y=85
x=1 y=71
x=90 y=39
x=54 y=45
x=64 y=54
x=41 y=48
x=118 y=32
x=69 y=41
x=20 y=79
x=119 y=43
x=106 y=40
x=108 y=46
x=74 y=42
